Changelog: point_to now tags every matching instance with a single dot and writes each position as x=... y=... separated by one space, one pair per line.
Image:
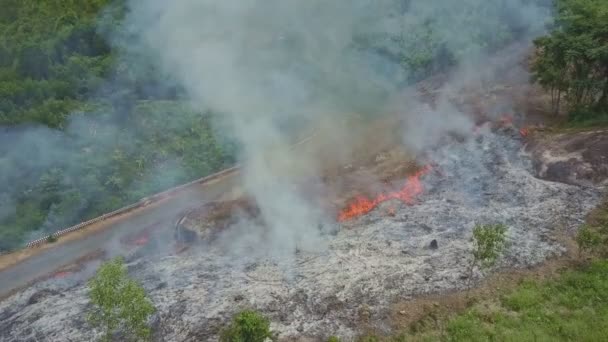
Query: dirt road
x=107 y=234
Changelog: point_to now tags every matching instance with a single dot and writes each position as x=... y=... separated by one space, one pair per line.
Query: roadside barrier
x=148 y=200
x=139 y=204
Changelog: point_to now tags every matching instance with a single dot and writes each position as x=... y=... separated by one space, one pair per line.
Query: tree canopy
x=572 y=60
x=82 y=130
x=119 y=303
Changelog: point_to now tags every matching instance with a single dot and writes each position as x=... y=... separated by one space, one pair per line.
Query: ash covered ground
x=368 y=263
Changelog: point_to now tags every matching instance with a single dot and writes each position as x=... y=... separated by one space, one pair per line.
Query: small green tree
x=489 y=242
x=587 y=240
x=247 y=326
x=119 y=303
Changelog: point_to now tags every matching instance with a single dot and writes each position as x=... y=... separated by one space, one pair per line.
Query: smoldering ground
x=371 y=262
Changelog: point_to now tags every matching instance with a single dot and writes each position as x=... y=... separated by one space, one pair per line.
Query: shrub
x=247 y=326
x=119 y=303
x=489 y=242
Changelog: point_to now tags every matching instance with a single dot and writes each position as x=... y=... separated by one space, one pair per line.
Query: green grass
x=586 y=120
x=573 y=307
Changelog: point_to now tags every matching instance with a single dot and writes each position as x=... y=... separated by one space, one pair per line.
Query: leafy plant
x=489 y=242
x=247 y=326
x=119 y=303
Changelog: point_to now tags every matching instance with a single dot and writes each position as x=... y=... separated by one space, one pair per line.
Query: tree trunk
x=552 y=92
x=559 y=97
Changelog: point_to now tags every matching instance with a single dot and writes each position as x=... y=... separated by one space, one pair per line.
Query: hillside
x=83 y=131
x=451 y=185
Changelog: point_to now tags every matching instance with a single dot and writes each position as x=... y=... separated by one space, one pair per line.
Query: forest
x=88 y=125
x=84 y=132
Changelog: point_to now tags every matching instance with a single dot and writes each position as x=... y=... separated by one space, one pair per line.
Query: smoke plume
x=273 y=67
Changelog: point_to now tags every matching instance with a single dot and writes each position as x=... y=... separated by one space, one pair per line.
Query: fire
x=506 y=120
x=407 y=194
x=141 y=241
x=62 y=274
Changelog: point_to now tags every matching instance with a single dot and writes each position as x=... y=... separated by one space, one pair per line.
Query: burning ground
x=396 y=247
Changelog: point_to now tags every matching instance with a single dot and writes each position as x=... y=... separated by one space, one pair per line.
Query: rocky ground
x=573 y=157
x=367 y=263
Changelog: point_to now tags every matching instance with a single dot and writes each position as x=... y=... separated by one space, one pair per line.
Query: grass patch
x=573 y=307
x=587 y=118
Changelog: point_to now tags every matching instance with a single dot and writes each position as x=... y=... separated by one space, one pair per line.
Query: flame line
x=407 y=194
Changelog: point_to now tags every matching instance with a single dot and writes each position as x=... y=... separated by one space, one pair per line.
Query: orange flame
x=141 y=241
x=62 y=274
x=363 y=205
x=506 y=120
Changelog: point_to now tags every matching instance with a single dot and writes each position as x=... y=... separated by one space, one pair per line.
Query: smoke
x=275 y=68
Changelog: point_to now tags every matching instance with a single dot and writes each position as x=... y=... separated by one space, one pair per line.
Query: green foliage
x=40 y=45
x=119 y=303
x=333 y=339
x=489 y=242
x=247 y=326
x=95 y=146
x=572 y=61
x=588 y=239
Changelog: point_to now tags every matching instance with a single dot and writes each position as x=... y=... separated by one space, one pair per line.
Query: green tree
x=573 y=59
x=247 y=326
x=119 y=303
x=489 y=241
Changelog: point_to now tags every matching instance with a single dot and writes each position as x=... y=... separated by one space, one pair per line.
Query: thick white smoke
x=269 y=64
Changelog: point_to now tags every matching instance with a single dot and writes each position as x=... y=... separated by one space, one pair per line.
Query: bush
x=247 y=326
x=489 y=242
x=119 y=303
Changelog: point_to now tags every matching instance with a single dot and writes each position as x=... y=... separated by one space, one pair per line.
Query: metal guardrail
x=147 y=200
x=139 y=204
